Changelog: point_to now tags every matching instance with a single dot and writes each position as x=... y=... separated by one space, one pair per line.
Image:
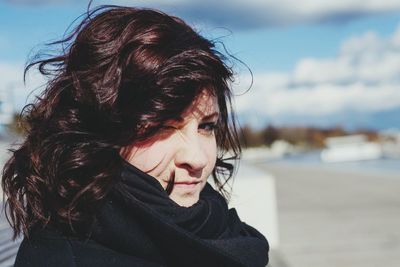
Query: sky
x=314 y=62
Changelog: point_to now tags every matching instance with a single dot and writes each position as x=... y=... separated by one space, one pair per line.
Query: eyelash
x=208 y=126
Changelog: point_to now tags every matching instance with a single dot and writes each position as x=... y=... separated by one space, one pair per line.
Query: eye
x=169 y=127
x=166 y=131
x=208 y=127
x=173 y=124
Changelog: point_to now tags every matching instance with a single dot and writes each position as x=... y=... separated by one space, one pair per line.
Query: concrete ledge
x=254 y=197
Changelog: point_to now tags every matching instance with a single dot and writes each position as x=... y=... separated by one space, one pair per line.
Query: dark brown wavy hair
x=121 y=68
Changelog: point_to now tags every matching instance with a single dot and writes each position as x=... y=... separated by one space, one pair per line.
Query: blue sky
x=316 y=64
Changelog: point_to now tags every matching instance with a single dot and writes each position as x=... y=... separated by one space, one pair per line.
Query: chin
x=185 y=201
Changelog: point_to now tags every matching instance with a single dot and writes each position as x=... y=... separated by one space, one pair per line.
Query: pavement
x=335 y=218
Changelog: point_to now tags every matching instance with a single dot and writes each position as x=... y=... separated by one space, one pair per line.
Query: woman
x=113 y=170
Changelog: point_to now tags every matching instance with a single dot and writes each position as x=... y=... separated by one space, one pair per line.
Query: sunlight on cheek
x=149 y=158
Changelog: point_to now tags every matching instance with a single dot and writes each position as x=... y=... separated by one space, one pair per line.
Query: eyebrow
x=207 y=117
x=212 y=115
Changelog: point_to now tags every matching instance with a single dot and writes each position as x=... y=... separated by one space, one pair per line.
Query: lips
x=182 y=182
x=187 y=187
x=187 y=182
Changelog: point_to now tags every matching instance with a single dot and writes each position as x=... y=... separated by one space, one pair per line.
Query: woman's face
x=184 y=151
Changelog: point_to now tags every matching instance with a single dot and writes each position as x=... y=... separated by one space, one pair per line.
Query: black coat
x=47 y=248
x=138 y=225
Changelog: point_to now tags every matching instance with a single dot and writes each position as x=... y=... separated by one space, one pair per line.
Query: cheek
x=210 y=148
x=150 y=158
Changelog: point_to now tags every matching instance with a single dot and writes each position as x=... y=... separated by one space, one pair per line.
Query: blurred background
x=318 y=99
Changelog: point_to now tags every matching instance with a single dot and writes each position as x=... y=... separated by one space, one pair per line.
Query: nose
x=191 y=154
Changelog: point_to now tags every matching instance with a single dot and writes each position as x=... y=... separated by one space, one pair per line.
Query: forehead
x=204 y=104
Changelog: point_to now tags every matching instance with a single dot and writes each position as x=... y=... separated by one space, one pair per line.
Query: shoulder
x=45 y=248
x=50 y=248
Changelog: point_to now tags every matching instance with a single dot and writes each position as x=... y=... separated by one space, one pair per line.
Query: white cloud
x=266 y=13
x=367 y=58
x=363 y=78
x=238 y=14
x=322 y=100
x=252 y=13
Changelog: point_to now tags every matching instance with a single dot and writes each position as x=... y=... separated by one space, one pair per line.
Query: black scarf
x=140 y=219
